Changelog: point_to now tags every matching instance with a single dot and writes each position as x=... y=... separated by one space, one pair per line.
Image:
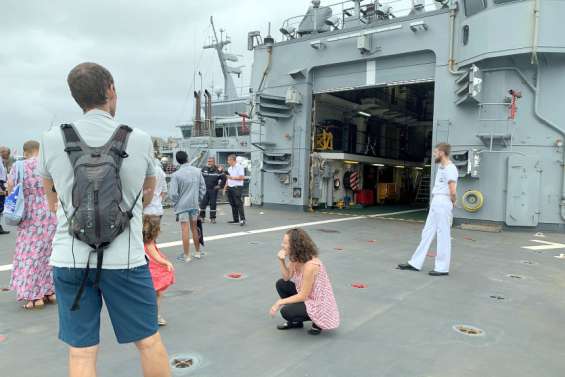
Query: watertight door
x=522 y=194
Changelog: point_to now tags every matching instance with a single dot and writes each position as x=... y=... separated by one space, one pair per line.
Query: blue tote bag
x=14 y=205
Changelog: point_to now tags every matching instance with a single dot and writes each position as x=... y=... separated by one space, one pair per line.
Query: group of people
x=57 y=249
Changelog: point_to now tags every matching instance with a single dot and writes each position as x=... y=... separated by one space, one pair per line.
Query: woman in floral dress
x=32 y=277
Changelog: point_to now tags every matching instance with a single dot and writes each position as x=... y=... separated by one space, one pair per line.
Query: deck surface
x=401 y=325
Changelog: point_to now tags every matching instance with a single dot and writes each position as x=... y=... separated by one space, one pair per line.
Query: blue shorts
x=190 y=215
x=129 y=296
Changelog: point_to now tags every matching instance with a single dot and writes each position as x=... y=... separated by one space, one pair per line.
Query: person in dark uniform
x=214 y=180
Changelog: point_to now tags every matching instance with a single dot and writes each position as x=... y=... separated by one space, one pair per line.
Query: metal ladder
x=423 y=191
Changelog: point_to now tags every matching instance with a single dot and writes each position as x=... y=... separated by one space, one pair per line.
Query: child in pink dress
x=162 y=271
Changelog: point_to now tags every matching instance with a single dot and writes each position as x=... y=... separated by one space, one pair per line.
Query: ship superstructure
x=219 y=126
x=348 y=105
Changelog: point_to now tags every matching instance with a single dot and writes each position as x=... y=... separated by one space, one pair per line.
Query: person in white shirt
x=444 y=197
x=155 y=208
x=234 y=188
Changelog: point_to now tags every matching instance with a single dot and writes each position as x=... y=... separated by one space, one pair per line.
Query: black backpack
x=98 y=216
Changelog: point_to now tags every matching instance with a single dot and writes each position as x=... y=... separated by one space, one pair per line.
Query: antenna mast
x=219 y=44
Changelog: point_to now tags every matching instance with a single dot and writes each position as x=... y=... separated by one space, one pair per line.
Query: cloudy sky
x=152 y=49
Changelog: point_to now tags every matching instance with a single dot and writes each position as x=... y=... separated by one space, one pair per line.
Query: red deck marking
x=372 y=241
x=359 y=285
x=468 y=238
x=2 y=338
x=431 y=253
x=338 y=249
x=234 y=275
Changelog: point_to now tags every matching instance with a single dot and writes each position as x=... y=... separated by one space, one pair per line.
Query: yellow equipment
x=472 y=200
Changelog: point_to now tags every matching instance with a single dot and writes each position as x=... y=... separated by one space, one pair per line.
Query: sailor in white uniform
x=444 y=196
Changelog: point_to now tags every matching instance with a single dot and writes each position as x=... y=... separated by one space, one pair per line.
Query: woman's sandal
x=33 y=305
x=50 y=299
x=290 y=325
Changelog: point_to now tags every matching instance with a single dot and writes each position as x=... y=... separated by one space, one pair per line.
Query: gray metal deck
x=399 y=326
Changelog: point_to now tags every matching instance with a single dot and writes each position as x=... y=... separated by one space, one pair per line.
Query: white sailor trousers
x=438 y=222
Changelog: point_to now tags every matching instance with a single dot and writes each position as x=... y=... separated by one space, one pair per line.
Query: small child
x=162 y=271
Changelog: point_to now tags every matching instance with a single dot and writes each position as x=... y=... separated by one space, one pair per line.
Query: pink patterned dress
x=32 y=276
x=320 y=304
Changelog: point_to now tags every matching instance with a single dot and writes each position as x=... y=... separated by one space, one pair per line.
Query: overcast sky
x=151 y=47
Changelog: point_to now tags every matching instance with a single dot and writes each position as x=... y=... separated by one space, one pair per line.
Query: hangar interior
x=373 y=145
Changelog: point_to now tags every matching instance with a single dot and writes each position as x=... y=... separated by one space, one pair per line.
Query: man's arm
x=222 y=181
x=453 y=191
x=148 y=190
x=174 y=190
x=51 y=194
x=202 y=189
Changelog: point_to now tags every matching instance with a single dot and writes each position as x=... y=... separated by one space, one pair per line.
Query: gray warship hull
x=484 y=76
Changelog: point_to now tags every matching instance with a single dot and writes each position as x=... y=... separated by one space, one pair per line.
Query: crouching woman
x=305 y=289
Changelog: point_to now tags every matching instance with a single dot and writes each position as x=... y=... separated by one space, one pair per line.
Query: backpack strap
x=74 y=146
x=117 y=144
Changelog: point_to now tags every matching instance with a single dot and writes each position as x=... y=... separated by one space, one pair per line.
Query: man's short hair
x=182 y=157
x=31 y=146
x=232 y=157
x=445 y=148
x=88 y=83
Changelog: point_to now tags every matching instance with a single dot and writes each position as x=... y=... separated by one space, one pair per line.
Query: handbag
x=14 y=204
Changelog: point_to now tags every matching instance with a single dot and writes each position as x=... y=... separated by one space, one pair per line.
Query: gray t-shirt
x=96 y=127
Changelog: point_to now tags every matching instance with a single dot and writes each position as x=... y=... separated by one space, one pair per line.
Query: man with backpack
x=96 y=175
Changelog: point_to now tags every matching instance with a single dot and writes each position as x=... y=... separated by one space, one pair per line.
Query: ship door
x=373 y=146
x=523 y=191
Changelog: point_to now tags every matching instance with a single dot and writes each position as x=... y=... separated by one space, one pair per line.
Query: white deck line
x=8 y=267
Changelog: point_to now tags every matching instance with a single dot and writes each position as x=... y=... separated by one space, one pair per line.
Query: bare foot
x=34 y=304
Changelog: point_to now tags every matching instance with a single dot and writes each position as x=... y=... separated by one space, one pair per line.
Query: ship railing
x=344 y=12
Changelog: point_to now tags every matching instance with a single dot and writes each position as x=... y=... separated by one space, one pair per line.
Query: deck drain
x=235 y=276
x=184 y=363
x=513 y=276
x=324 y=230
x=497 y=298
x=468 y=330
x=4 y=289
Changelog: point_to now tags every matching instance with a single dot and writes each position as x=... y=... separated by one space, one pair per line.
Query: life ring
x=473 y=200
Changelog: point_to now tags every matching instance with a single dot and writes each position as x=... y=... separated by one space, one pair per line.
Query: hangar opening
x=373 y=146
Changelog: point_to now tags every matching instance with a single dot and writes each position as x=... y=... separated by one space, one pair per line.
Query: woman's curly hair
x=151 y=228
x=302 y=248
